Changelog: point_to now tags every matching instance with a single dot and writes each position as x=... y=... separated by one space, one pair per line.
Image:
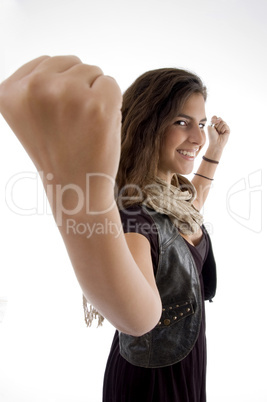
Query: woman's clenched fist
x=67 y=116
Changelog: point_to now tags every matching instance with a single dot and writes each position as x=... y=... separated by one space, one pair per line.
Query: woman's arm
x=218 y=137
x=67 y=116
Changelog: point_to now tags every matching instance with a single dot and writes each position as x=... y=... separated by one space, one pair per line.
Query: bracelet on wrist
x=205 y=177
x=209 y=160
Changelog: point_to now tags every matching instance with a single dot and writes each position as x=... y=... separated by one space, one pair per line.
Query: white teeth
x=187 y=153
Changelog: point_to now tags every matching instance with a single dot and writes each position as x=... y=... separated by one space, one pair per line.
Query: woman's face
x=183 y=139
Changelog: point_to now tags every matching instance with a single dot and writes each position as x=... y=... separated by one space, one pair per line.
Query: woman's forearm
x=121 y=288
x=218 y=133
x=108 y=274
x=204 y=176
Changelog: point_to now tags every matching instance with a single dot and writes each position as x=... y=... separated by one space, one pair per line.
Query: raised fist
x=67 y=116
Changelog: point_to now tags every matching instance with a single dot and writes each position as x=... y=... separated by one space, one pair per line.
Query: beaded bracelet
x=205 y=177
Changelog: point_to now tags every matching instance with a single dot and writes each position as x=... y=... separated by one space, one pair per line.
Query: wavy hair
x=149 y=106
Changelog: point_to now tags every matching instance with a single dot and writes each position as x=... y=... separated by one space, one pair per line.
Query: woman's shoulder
x=136 y=219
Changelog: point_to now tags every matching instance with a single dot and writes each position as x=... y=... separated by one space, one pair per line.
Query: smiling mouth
x=187 y=153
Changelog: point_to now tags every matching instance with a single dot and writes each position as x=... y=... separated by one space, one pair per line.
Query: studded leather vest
x=178 y=283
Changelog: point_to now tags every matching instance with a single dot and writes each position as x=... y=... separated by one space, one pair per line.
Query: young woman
x=150 y=282
x=163 y=121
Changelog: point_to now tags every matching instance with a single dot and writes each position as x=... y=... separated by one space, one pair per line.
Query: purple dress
x=184 y=381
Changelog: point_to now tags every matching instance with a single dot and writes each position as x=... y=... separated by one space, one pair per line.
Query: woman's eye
x=181 y=123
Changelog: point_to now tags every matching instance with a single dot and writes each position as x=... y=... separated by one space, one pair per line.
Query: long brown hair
x=149 y=105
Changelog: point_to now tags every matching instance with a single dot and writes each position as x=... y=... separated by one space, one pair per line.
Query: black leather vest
x=178 y=283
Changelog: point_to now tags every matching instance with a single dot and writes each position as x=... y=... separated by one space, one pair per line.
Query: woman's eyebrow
x=190 y=117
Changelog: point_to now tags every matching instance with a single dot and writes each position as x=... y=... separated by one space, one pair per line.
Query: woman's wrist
x=89 y=197
x=213 y=154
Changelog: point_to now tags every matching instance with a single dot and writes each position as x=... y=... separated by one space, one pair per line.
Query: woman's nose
x=197 y=135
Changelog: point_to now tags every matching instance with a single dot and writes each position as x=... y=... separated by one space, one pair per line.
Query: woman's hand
x=218 y=134
x=67 y=116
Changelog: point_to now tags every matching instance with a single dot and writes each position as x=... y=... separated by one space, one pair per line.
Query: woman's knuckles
x=65 y=94
x=72 y=122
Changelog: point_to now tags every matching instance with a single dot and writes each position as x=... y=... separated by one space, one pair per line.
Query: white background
x=46 y=352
